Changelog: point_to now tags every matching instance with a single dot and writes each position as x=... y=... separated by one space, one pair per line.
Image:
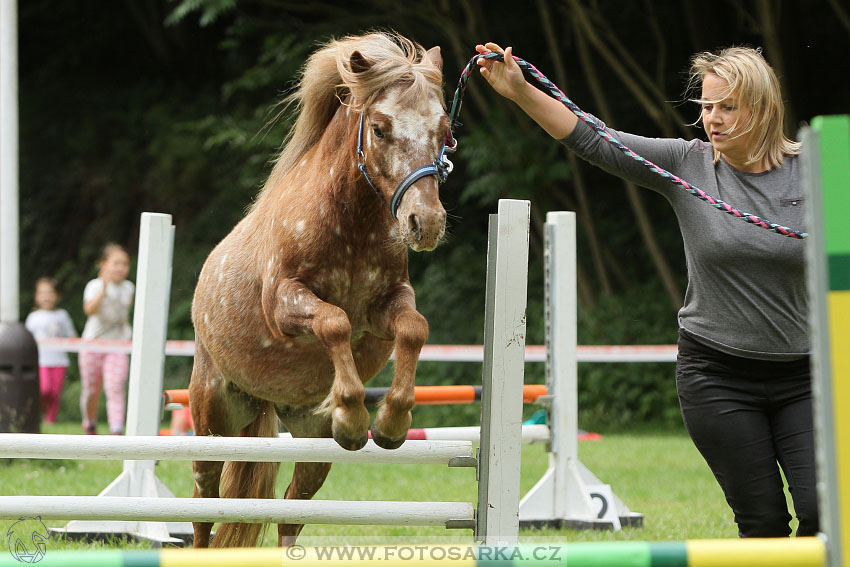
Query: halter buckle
x=444 y=166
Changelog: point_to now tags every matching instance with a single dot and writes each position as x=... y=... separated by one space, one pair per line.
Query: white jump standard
x=565 y=495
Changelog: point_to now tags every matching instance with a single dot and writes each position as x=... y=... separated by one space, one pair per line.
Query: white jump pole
x=433 y=353
x=500 y=454
x=150 y=318
x=208 y=448
x=565 y=495
x=250 y=510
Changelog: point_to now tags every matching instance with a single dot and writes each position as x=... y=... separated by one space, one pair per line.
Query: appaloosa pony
x=306 y=298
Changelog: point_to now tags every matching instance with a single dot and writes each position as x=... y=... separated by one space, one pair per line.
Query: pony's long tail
x=249 y=480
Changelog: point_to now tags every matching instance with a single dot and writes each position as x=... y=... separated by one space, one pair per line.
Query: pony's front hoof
x=385 y=442
x=347 y=442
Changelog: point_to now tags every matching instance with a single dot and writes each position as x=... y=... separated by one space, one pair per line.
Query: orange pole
x=530 y=392
x=424 y=395
x=176 y=397
x=431 y=395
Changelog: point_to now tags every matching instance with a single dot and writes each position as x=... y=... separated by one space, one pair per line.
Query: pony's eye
x=378 y=132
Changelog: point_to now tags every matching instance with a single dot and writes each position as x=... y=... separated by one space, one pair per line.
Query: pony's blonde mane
x=326 y=80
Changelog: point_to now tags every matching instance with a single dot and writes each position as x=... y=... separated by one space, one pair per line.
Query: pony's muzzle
x=425 y=229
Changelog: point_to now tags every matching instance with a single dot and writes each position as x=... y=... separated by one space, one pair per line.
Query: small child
x=46 y=321
x=106 y=301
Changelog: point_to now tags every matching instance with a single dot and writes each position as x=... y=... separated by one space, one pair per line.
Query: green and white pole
x=826 y=163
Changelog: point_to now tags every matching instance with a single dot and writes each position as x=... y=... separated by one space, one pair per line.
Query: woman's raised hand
x=505 y=78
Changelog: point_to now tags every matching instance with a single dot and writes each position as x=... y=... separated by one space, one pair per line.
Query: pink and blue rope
x=553 y=91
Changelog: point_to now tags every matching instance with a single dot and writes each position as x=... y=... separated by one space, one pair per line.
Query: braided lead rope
x=556 y=93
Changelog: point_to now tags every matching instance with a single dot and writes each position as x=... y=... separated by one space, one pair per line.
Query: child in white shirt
x=48 y=321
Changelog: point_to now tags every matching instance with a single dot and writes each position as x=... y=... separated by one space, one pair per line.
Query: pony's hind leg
x=212 y=415
x=307 y=478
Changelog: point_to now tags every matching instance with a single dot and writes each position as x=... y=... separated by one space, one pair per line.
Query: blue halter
x=440 y=167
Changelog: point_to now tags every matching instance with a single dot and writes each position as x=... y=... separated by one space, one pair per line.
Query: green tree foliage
x=171 y=106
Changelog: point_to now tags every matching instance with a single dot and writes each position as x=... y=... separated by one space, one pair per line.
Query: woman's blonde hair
x=753 y=83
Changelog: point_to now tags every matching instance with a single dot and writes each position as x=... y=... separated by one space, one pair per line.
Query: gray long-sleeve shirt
x=746 y=291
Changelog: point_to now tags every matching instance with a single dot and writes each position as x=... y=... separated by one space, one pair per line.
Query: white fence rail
x=430 y=353
x=253 y=449
x=249 y=510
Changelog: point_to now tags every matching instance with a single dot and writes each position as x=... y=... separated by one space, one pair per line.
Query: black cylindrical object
x=20 y=397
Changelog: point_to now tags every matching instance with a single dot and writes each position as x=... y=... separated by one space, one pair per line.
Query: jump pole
x=429 y=353
x=564 y=496
x=749 y=552
x=826 y=171
x=423 y=395
x=150 y=318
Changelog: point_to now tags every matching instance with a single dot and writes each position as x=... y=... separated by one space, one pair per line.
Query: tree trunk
x=768 y=19
x=651 y=99
x=841 y=13
x=587 y=223
x=644 y=225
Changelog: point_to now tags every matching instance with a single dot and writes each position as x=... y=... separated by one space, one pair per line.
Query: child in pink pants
x=47 y=321
x=106 y=301
x=107 y=371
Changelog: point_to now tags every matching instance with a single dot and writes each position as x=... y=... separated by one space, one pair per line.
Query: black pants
x=745 y=416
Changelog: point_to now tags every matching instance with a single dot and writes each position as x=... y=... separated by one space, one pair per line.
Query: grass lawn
x=659 y=474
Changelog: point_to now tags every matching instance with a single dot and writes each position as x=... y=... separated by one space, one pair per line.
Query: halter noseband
x=440 y=167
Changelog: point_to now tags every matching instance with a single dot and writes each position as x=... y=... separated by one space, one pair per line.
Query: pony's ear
x=358 y=63
x=434 y=57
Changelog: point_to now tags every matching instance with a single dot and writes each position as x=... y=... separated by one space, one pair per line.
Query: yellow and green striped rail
x=798 y=552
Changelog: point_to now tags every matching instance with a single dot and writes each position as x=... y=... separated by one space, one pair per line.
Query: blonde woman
x=742 y=374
